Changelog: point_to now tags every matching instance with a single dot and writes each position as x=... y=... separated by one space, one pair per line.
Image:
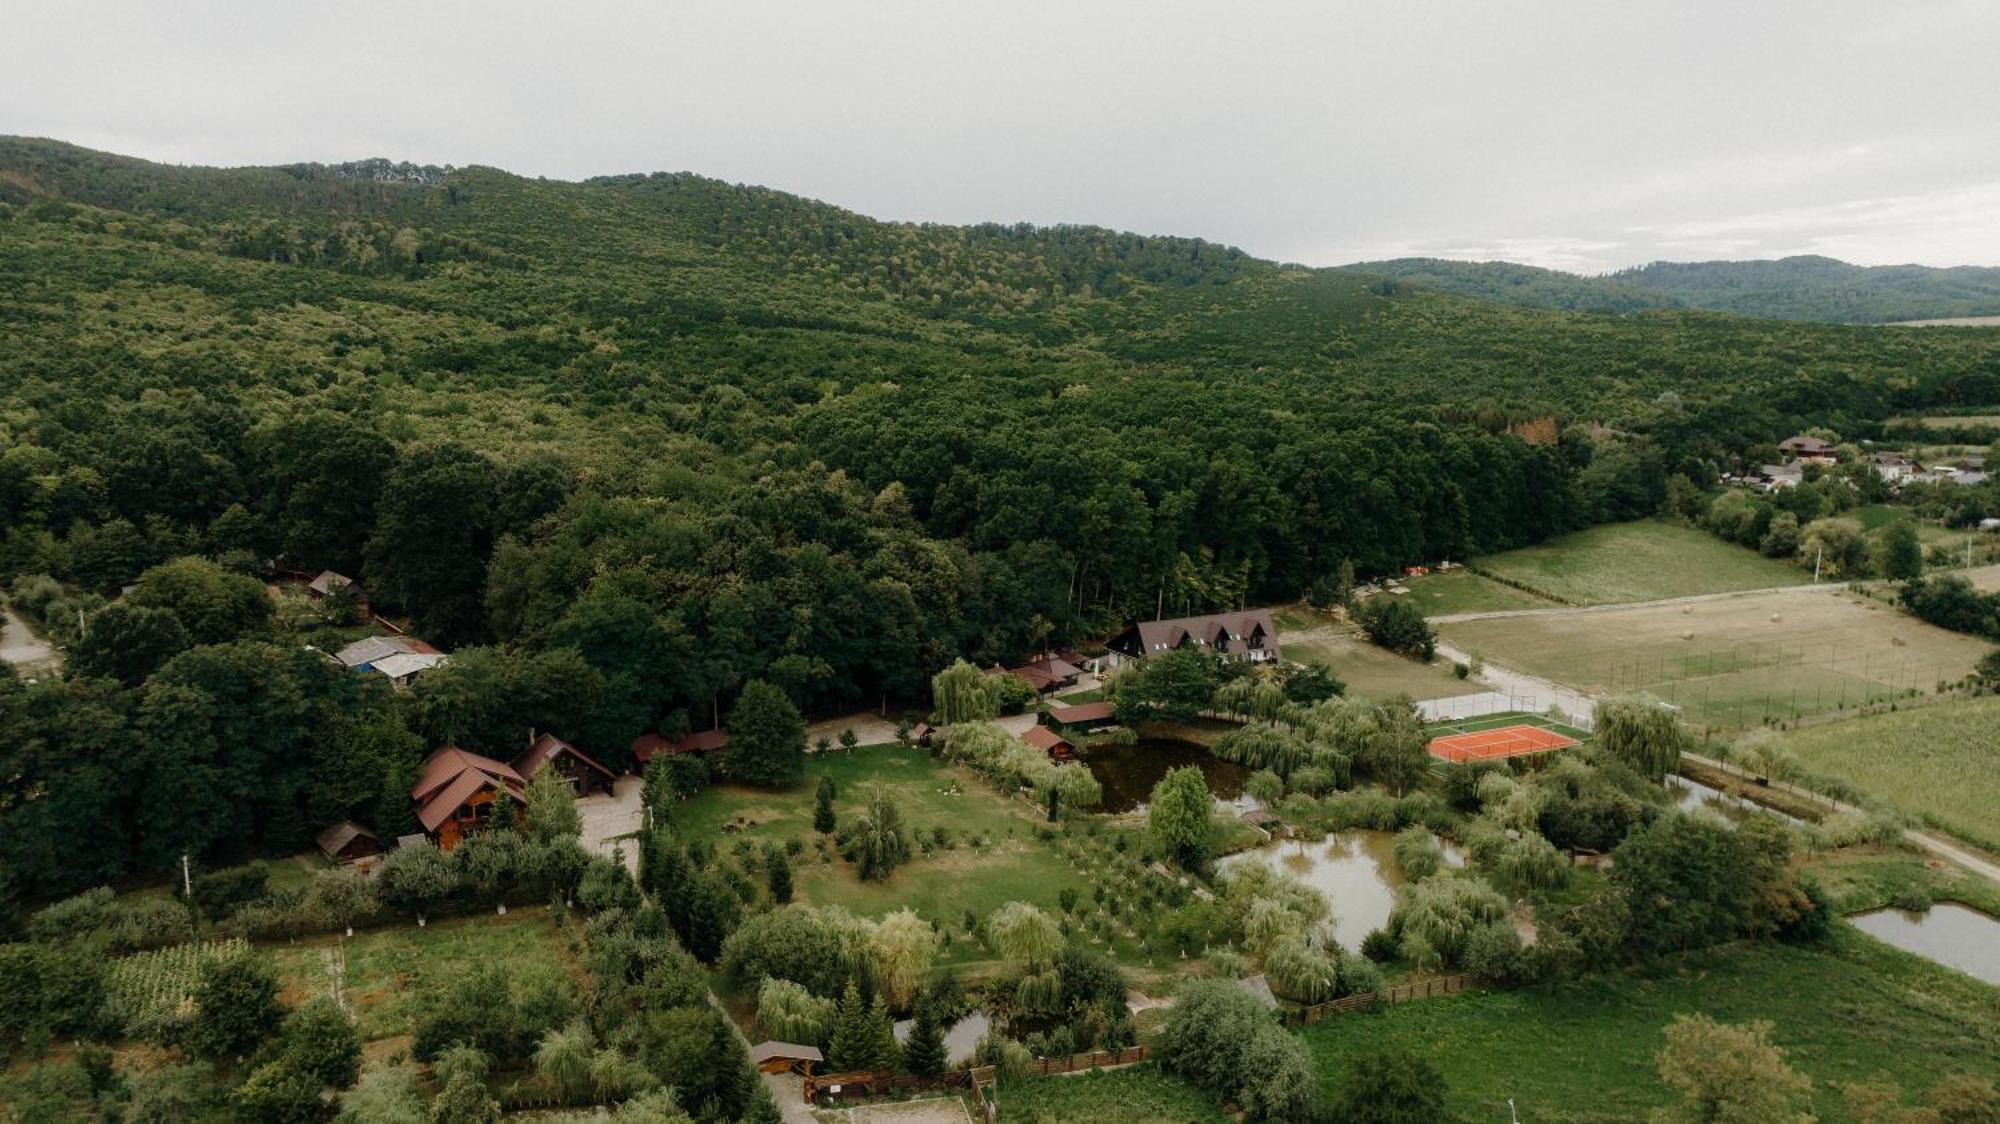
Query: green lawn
x=1139 y=1092
x=1372 y=672
x=1011 y=865
x=1941 y=762
x=392 y=974
x=1462 y=591
x=1845 y=1011
x=1642 y=561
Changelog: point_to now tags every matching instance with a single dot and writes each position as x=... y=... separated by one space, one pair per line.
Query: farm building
x=1895 y=467
x=785 y=1057
x=1811 y=450
x=1087 y=716
x=455 y=792
x=548 y=751
x=1048 y=741
x=348 y=842
x=1045 y=673
x=1246 y=635
x=922 y=733
x=329 y=583
x=645 y=747
x=397 y=658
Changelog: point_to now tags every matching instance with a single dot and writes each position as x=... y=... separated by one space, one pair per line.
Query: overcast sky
x=1585 y=135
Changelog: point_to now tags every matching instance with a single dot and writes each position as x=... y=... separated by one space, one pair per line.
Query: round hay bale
x=1776 y=617
x=1687 y=636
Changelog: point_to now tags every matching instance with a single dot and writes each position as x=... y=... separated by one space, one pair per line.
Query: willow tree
x=1026 y=936
x=563 y=1058
x=880 y=843
x=1179 y=820
x=1643 y=733
x=901 y=951
x=960 y=693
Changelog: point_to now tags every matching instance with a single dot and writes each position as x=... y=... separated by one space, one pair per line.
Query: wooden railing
x=1401 y=993
x=867 y=1083
x=1096 y=1059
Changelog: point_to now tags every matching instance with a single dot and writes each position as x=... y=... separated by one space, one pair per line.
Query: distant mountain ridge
x=1805 y=287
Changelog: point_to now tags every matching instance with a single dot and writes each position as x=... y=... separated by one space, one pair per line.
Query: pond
x=1694 y=796
x=1129 y=772
x=1953 y=935
x=1355 y=871
x=959 y=1041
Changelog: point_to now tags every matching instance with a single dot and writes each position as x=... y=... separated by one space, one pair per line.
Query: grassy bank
x=1846 y=1011
x=1936 y=762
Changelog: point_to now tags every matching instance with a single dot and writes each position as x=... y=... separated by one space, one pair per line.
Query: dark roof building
x=456 y=791
x=1048 y=741
x=1088 y=715
x=645 y=747
x=347 y=842
x=1245 y=635
x=583 y=773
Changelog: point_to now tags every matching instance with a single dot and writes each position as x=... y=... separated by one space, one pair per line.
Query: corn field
x=160 y=984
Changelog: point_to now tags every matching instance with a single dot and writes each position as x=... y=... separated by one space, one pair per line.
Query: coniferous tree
x=823 y=819
x=924 y=1053
x=848 y=1048
x=778 y=872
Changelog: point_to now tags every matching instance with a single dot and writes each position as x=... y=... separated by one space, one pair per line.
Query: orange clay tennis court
x=1492 y=745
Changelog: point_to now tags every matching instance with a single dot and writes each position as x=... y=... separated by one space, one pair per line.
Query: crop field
x=1848 y=1010
x=150 y=984
x=387 y=977
x=1644 y=561
x=1940 y=763
x=1736 y=662
x=1462 y=591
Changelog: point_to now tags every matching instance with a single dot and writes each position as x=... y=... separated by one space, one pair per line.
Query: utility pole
x=187 y=879
x=1819 y=555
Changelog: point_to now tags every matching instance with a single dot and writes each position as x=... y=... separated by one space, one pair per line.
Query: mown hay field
x=1644 y=561
x=1733 y=663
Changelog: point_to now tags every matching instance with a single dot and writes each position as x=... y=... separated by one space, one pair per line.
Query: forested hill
x=626 y=445
x=1819 y=288
x=1510 y=283
x=1797 y=288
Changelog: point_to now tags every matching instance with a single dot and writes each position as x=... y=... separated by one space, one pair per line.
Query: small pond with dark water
x=1129 y=772
x=1355 y=871
x=1954 y=935
x=959 y=1041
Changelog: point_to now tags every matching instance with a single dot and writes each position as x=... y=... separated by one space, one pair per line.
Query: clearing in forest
x=1644 y=561
x=1736 y=662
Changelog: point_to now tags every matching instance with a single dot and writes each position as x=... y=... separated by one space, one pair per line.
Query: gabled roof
x=406 y=663
x=645 y=747
x=372 y=649
x=336 y=838
x=1082 y=712
x=1046 y=740
x=451 y=776
x=1202 y=631
x=790 y=1051
x=328 y=583
x=547 y=748
x=1806 y=444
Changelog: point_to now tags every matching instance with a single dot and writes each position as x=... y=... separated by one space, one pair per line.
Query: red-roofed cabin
x=1090 y=715
x=583 y=773
x=645 y=747
x=1048 y=741
x=456 y=790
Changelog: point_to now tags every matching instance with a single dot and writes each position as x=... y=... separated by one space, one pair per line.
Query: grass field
x=1736 y=662
x=1372 y=672
x=1845 y=1011
x=1134 y=1093
x=1013 y=864
x=1643 y=561
x=1462 y=591
x=391 y=974
x=1940 y=762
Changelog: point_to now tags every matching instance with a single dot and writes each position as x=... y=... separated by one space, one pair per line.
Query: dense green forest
x=1796 y=288
x=630 y=443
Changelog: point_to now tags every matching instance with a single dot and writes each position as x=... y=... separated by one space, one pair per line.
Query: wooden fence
x=1096 y=1059
x=867 y=1083
x=1401 y=993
